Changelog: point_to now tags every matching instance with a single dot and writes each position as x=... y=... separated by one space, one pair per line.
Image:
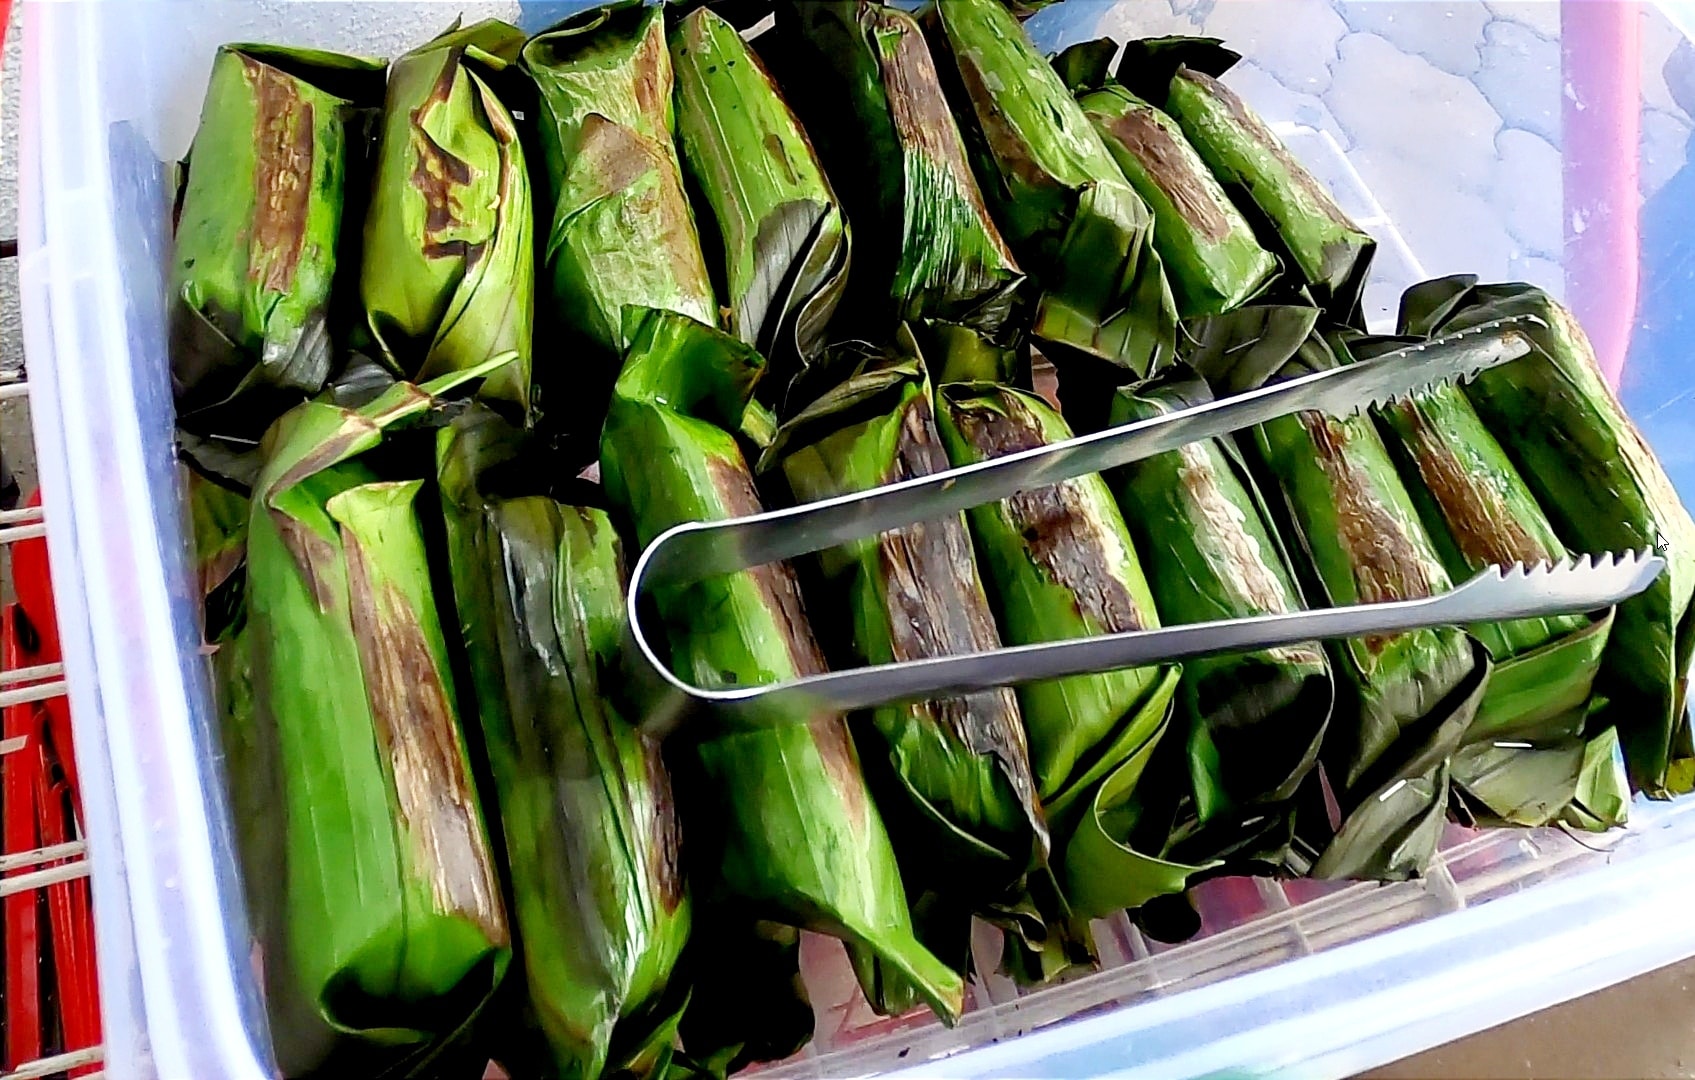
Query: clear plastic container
x=1468 y=136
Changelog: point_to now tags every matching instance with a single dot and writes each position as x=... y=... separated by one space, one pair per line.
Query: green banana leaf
x=396 y=928
x=960 y=764
x=1393 y=818
x=591 y=834
x=926 y=247
x=1254 y=721
x=1300 y=219
x=279 y=148
x=448 y=278
x=1575 y=780
x=1074 y=221
x=218 y=516
x=1478 y=512
x=621 y=230
x=1603 y=786
x=1364 y=542
x=1243 y=349
x=783 y=237
x=1060 y=564
x=1411 y=695
x=1208 y=248
x=780 y=818
x=1604 y=490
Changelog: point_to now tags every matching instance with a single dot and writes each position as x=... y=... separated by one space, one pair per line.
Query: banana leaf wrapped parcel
x=279 y=149
x=1211 y=257
x=780 y=227
x=961 y=802
x=591 y=834
x=1077 y=226
x=1323 y=247
x=1060 y=564
x=449 y=275
x=925 y=246
x=620 y=228
x=1602 y=487
x=1478 y=511
x=397 y=931
x=780 y=815
x=1254 y=721
x=1408 y=697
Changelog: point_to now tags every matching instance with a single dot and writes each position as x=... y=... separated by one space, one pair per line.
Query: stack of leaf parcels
x=454 y=336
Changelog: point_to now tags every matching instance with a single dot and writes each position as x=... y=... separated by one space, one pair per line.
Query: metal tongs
x=697 y=550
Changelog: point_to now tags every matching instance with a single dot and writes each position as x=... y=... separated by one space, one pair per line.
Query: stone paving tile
x=1448 y=34
x=1542 y=16
x=1294 y=40
x=1276 y=101
x=1668 y=67
x=1438 y=126
x=1520 y=76
x=1530 y=206
x=1450 y=230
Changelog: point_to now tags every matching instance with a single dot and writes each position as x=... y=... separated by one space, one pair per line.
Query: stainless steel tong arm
x=1586 y=584
x=700 y=549
x=697 y=550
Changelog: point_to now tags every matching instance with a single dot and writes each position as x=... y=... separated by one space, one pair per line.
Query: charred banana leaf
x=926 y=247
x=1076 y=224
x=1255 y=721
x=449 y=274
x=1321 y=243
x=1477 y=510
x=783 y=236
x=1604 y=490
x=1059 y=564
x=280 y=145
x=1410 y=696
x=397 y=931
x=781 y=815
x=622 y=232
x=591 y=834
x=961 y=802
x=1208 y=248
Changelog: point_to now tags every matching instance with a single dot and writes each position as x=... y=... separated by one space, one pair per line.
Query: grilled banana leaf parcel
x=591 y=835
x=1576 y=780
x=1477 y=510
x=1604 y=490
x=1073 y=220
x=969 y=823
x=783 y=236
x=1059 y=564
x=1210 y=254
x=1410 y=696
x=620 y=230
x=448 y=279
x=279 y=147
x=1323 y=246
x=781 y=815
x=1254 y=721
x=394 y=916
x=926 y=247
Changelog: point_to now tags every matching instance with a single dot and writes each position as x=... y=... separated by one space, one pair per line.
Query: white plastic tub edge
x=1384 y=998
x=179 y=994
x=179 y=1000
